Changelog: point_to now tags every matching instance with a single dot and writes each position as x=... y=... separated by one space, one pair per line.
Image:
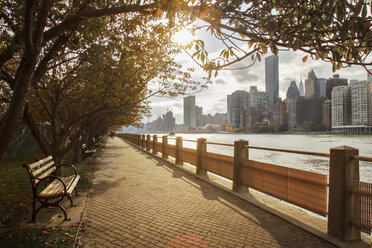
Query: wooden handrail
x=220 y=144
x=189 y=140
x=290 y=151
x=362 y=158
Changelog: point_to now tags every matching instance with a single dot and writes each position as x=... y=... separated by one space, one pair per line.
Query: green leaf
x=344 y=30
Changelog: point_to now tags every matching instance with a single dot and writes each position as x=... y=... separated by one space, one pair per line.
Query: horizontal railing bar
x=189 y=140
x=171 y=138
x=220 y=144
x=289 y=151
x=361 y=158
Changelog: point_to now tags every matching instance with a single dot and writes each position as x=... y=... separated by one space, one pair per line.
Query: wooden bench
x=49 y=189
x=87 y=152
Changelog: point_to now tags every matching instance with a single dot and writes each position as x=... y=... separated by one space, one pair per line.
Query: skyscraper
x=301 y=88
x=198 y=116
x=272 y=78
x=311 y=85
x=322 y=86
x=361 y=103
x=333 y=82
x=341 y=109
x=189 y=117
x=292 y=92
x=239 y=102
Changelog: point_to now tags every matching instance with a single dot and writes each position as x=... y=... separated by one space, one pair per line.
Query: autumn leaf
x=304 y=59
x=159 y=12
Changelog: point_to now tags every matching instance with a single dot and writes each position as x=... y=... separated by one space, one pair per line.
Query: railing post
x=164 y=146
x=148 y=142
x=143 y=141
x=343 y=170
x=138 y=140
x=154 y=142
x=201 y=146
x=178 y=150
x=240 y=152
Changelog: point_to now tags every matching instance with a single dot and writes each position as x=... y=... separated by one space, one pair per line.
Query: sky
x=213 y=99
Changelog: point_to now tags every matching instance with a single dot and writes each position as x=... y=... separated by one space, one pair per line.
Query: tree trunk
x=10 y=122
x=76 y=151
x=58 y=160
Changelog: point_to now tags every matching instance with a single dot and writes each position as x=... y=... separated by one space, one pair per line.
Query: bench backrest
x=40 y=169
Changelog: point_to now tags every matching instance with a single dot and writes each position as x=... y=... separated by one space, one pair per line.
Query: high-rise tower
x=272 y=78
x=189 y=117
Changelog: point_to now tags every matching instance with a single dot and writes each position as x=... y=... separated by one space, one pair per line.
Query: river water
x=303 y=142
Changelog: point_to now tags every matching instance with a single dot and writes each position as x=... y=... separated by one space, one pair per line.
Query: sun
x=183 y=37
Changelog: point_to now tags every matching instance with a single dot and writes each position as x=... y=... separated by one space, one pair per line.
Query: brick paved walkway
x=139 y=201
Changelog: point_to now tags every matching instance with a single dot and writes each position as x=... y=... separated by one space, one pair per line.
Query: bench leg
x=72 y=204
x=33 y=217
x=76 y=192
x=64 y=212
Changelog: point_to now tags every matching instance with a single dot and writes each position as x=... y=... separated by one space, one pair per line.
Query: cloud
x=220 y=81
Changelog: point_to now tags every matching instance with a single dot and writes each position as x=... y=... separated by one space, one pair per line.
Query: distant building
x=250 y=116
x=322 y=86
x=361 y=103
x=169 y=122
x=333 y=82
x=341 y=106
x=258 y=99
x=280 y=114
x=189 y=117
x=304 y=110
x=272 y=78
x=198 y=116
x=301 y=88
x=228 y=112
x=326 y=114
x=369 y=75
x=239 y=102
x=292 y=92
x=311 y=85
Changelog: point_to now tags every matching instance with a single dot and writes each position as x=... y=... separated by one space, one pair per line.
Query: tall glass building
x=189 y=116
x=272 y=79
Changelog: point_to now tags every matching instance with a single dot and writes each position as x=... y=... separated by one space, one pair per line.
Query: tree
x=33 y=34
x=106 y=85
x=334 y=31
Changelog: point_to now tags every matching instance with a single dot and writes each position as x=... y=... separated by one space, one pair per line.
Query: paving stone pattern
x=140 y=201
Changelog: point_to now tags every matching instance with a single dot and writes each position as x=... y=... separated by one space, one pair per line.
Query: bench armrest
x=55 y=178
x=68 y=165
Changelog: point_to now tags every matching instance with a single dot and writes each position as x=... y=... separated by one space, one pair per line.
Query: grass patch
x=16 y=204
x=37 y=237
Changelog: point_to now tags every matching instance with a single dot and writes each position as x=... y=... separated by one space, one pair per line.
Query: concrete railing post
x=178 y=150
x=164 y=147
x=343 y=170
x=148 y=142
x=240 y=152
x=201 y=147
x=154 y=142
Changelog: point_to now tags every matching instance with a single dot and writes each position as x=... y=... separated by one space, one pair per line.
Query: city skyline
x=213 y=99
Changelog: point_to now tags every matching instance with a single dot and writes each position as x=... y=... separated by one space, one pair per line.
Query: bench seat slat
x=43 y=168
x=73 y=185
x=55 y=188
x=31 y=166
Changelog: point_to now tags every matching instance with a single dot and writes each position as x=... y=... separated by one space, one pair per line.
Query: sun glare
x=183 y=37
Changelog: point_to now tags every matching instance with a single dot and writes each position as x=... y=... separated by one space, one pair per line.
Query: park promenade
x=139 y=200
